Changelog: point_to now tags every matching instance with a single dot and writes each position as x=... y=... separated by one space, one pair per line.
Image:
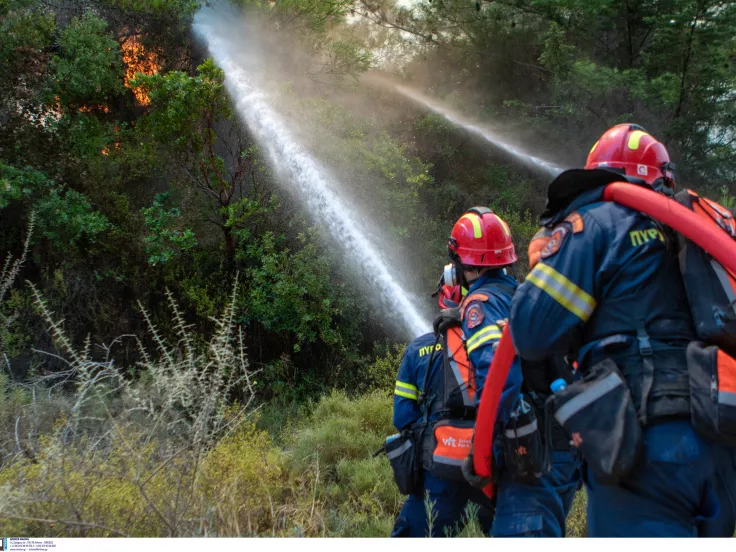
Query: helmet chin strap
x=460 y=270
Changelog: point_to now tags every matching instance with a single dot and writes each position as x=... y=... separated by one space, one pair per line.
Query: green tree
x=294 y=292
x=63 y=216
x=191 y=120
x=89 y=69
x=164 y=242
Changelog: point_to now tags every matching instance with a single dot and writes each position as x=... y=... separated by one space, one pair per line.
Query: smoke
x=250 y=70
x=542 y=166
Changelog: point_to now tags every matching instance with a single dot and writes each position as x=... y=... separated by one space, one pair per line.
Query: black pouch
x=524 y=453
x=402 y=454
x=599 y=414
x=710 y=288
x=712 y=375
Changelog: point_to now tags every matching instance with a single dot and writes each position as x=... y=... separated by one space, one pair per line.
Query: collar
x=577 y=187
x=498 y=275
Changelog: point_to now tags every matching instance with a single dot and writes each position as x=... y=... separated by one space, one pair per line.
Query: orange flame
x=138 y=60
x=106 y=150
x=91 y=108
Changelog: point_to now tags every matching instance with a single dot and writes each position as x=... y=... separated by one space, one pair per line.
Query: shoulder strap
x=703 y=206
x=423 y=392
x=461 y=370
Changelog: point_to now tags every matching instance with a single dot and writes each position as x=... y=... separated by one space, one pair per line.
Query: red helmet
x=449 y=296
x=631 y=148
x=481 y=238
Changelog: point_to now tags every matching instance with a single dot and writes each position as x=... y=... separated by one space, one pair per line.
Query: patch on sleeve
x=539 y=241
x=555 y=241
x=576 y=219
x=474 y=316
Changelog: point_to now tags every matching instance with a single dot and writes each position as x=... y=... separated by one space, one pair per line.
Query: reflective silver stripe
x=724 y=397
x=725 y=282
x=445 y=460
x=462 y=384
x=593 y=393
x=562 y=290
x=720 y=210
x=522 y=431
x=399 y=451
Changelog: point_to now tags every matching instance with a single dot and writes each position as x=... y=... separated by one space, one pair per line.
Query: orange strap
x=726 y=372
x=456 y=352
x=722 y=216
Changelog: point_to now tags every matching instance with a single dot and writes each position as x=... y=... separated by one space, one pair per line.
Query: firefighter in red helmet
x=426 y=392
x=531 y=500
x=605 y=287
x=480 y=248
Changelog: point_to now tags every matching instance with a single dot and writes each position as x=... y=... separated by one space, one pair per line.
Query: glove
x=471 y=477
x=447 y=318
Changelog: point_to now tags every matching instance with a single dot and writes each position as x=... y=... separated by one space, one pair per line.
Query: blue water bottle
x=558 y=385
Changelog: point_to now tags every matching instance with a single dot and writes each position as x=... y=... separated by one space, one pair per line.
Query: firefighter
x=448 y=500
x=605 y=287
x=481 y=250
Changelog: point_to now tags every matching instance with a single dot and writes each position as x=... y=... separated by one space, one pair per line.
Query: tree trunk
x=229 y=245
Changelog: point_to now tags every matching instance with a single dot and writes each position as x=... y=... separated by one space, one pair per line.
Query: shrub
x=140 y=458
x=356 y=492
x=241 y=481
x=340 y=428
x=380 y=375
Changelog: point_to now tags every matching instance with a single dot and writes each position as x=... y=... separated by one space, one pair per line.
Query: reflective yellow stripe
x=562 y=290
x=635 y=138
x=485 y=331
x=406 y=390
x=505 y=226
x=407 y=386
x=405 y=395
x=475 y=219
x=486 y=338
x=593 y=148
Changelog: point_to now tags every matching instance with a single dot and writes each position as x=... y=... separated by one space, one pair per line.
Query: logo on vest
x=456 y=443
x=474 y=316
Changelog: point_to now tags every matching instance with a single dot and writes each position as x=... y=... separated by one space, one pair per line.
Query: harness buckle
x=645 y=347
x=422 y=398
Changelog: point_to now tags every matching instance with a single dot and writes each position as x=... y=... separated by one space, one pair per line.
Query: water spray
x=310 y=180
x=546 y=167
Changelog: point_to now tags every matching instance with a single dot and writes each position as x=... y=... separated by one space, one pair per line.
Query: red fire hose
x=488 y=410
x=709 y=237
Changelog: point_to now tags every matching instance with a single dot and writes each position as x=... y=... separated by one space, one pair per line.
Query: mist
x=519 y=154
x=254 y=72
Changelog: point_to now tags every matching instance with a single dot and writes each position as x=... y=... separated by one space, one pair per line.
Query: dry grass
x=124 y=456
